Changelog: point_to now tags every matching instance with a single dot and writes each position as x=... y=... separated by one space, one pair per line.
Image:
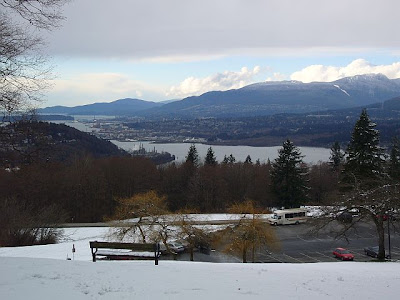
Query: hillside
x=42 y=141
x=270 y=98
x=43 y=272
x=120 y=107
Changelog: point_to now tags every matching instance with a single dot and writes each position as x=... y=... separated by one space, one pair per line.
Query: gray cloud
x=158 y=28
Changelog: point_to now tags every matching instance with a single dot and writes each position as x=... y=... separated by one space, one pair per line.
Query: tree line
x=88 y=189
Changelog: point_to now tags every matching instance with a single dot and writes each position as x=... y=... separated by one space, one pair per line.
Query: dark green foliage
x=364 y=155
x=337 y=156
x=248 y=160
x=210 y=157
x=394 y=162
x=193 y=156
x=229 y=159
x=289 y=176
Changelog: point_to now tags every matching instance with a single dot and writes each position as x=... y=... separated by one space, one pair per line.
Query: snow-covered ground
x=43 y=272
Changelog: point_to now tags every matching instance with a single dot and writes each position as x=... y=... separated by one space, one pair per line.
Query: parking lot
x=301 y=244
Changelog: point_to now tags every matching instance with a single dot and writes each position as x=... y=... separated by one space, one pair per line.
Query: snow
x=43 y=272
x=336 y=86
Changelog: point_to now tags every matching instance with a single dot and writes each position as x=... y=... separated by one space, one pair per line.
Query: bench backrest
x=130 y=246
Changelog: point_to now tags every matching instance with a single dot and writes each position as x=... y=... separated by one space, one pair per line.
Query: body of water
x=311 y=154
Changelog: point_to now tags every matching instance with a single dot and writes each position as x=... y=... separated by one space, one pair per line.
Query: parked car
x=343 y=254
x=373 y=252
x=176 y=247
x=345 y=217
x=386 y=217
x=173 y=246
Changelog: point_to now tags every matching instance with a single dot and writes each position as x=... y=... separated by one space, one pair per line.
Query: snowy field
x=43 y=272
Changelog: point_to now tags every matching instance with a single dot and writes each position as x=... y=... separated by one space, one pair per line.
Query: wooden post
x=156 y=251
x=93 y=255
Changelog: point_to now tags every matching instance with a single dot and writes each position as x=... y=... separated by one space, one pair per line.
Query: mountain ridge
x=268 y=98
x=125 y=106
x=258 y=99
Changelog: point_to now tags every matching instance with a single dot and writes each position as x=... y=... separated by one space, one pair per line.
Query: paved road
x=299 y=244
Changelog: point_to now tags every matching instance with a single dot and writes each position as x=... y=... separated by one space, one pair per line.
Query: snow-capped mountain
x=268 y=98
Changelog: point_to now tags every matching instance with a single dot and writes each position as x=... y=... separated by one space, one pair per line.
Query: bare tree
x=23 y=224
x=376 y=204
x=139 y=214
x=250 y=231
x=43 y=14
x=194 y=236
x=24 y=73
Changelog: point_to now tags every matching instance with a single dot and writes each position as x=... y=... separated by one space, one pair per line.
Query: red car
x=343 y=254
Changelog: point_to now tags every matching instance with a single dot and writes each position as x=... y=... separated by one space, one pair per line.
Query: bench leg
x=94 y=255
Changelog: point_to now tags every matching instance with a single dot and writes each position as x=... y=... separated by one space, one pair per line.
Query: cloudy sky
x=168 y=49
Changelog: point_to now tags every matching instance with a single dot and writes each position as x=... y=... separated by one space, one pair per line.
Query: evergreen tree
x=337 y=156
x=289 y=176
x=364 y=155
x=193 y=156
x=210 y=157
x=231 y=159
x=394 y=162
x=248 y=160
x=225 y=160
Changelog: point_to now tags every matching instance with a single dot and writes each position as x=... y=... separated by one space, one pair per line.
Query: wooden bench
x=95 y=246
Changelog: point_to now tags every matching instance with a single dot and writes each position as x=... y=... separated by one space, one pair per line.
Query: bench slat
x=130 y=246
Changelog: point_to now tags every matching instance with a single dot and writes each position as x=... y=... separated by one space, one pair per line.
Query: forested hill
x=121 y=107
x=42 y=141
x=269 y=98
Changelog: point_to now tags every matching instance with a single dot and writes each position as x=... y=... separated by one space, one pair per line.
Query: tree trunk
x=381 y=237
x=191 y=254
x=244 y=255
x=142 y=234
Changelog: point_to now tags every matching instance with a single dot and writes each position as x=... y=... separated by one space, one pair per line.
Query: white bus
x=288 y=216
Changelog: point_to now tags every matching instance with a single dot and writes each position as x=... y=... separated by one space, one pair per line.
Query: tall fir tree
x=394 y=162
x=337 y=156
x=364 y=155
x=248 y=160
x=193 y=156
x=289 y=176
x=210 y=158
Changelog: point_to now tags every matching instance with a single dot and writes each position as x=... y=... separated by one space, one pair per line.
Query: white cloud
x=95 y=87
x=97 y=83
x=356 y=67
x=276 y=77
x=217 y=82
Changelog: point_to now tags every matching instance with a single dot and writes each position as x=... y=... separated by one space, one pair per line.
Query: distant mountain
x=169 y=101
x=120 y=107
x=268 y=98
x=392 y=104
